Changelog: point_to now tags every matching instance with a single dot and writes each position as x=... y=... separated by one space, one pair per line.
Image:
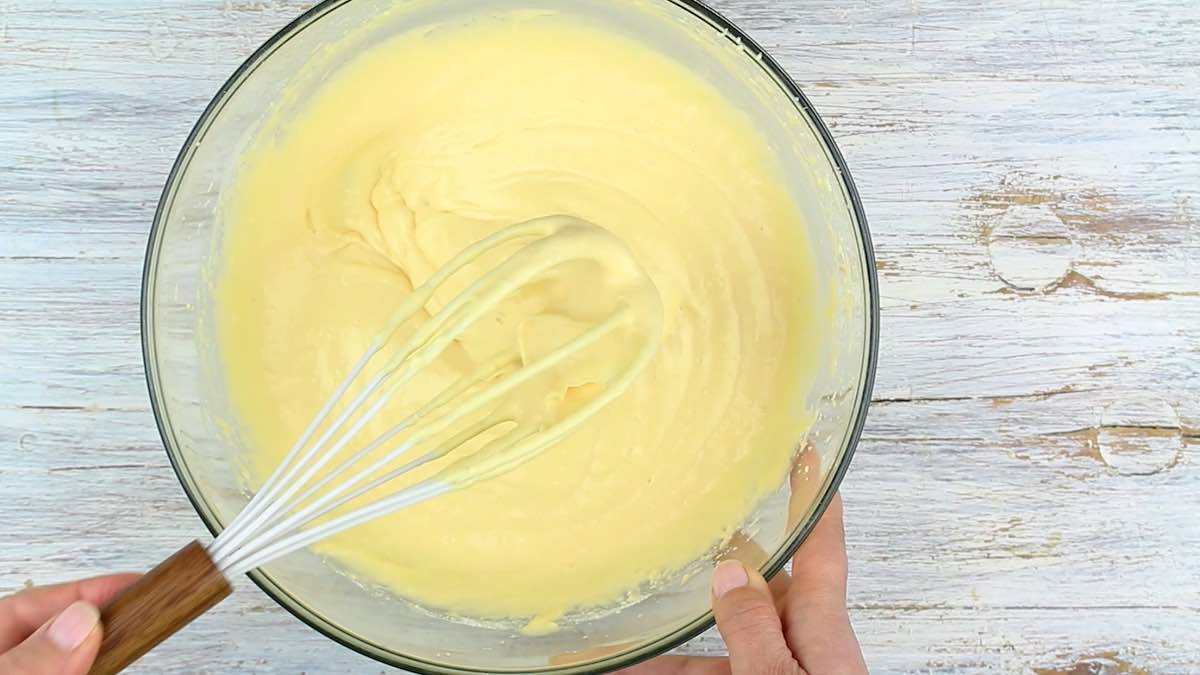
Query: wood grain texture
x=1024 y=498
x=159 y=604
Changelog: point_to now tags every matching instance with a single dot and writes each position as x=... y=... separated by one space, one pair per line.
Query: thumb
x=65 y=645
x=749 y=622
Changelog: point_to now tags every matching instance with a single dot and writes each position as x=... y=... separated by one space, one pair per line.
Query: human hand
x=794 y=626
x=55 y=630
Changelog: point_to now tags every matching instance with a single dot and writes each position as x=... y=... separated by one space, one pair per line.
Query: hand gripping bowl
x=193 y=412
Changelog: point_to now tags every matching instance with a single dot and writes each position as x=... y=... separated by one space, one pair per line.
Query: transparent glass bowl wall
x=187 y=392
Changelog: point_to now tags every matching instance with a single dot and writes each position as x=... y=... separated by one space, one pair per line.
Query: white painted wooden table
x=1027 y=494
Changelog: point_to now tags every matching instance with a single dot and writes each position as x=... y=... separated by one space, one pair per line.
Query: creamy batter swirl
x=432 y=141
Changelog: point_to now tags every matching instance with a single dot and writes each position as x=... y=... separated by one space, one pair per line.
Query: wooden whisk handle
x=166 y=599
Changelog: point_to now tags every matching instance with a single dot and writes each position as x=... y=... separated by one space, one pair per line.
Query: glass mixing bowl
x=198 y=429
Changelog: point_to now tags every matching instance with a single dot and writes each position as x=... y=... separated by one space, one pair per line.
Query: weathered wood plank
x=1023 y=500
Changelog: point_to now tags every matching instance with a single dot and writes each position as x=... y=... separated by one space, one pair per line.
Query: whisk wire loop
x=310 y=496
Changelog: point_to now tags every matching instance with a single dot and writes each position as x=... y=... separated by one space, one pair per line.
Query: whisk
x=324 y=485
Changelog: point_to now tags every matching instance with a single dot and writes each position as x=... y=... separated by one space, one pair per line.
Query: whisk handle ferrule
x=166 y=599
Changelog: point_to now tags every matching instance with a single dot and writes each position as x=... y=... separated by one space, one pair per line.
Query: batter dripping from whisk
x=434 y=141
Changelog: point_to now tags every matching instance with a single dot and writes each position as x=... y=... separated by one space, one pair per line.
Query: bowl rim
x=669 y=641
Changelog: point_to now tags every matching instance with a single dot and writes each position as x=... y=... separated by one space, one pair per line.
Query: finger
x=65 y=645
x=805 y=482
x=779 y=585
x=819 y=566
x=815 y=617
x=742 y=547
x=680 y=665
x=749 y=622
x=24 y=612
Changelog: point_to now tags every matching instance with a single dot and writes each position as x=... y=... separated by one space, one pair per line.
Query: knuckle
x=775 y=661
x=750 y=618
x=831 y=599
x=831 y=569
x=753 y=629
x=781 y=664
x=825 y=582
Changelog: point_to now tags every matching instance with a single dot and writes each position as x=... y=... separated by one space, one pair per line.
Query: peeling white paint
x=1024 y=496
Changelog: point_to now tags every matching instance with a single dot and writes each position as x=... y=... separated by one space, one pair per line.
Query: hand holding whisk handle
x=165 y=599
x=329 y=481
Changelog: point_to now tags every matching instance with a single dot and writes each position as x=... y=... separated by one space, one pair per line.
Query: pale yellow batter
x=435 y=140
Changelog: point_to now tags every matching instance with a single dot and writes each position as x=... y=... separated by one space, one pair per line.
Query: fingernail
x=729 y=575
x=71 y=628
